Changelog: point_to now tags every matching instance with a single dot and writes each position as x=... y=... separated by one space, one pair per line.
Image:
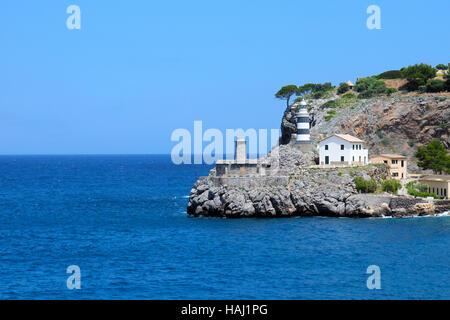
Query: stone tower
x=240 y=150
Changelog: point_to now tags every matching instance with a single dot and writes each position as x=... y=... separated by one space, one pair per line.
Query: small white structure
x=343 y=149
x=303 y=135
x=240 y=150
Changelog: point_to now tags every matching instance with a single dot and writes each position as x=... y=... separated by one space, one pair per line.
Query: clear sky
x=137 y=70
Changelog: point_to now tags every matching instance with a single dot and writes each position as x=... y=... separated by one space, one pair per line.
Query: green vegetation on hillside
x=343 y=88
x=365 y=186
x=391 y=185
x=348 y=100
x=391 y=74
x=418 y=75
x=315 y=90
x=370 y=87
x=433 y=156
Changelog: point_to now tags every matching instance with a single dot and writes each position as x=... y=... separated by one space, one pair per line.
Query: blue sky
x=137 y=70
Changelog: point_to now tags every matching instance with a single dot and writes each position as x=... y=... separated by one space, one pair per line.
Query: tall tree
x=286 y=92
x=433 y=156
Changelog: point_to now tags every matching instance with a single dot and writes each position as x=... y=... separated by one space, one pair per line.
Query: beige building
x=437 y=184
x=395 y=162
x=350 y=84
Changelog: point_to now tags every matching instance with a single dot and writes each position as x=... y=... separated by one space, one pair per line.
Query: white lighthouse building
x=303 y=136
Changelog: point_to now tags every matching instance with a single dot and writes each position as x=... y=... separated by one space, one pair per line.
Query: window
x=342 y=158
x=353 y=147
x=326 y=147
x=394 y=161
x=403 y=163
x=353 y=158
x=327 y=159
x=385 y=161
x=342 y=147
x=395 y=174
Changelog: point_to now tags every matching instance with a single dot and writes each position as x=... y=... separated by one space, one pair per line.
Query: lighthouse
x=303 y=136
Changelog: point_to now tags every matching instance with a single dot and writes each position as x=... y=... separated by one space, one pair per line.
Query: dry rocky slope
x=389 y=125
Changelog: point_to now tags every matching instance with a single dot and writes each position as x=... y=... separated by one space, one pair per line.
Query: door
x=327 y=160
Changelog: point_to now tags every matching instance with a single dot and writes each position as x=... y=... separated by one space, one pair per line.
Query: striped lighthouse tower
x=303 y=136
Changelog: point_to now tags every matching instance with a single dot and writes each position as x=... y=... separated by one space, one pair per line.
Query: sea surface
x=123 y=221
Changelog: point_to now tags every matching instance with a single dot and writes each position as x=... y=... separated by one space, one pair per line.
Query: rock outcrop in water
x=387 y=124
x=307 y=192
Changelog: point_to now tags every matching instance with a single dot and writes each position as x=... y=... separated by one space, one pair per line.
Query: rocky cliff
x=389 y=125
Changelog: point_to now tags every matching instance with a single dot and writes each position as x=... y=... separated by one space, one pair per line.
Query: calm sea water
x=122 y=220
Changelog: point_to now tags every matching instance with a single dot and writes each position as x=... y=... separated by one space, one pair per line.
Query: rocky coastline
x=300 y=189
x=308 y=193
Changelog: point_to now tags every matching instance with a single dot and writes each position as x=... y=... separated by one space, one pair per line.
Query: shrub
x=349 y=96
x=421 y=187
x=385 y=142
x=390 y=91
x=391 y=185
x=343 y=87
x=418 y=75
x=379 y=134
x=365 y=186
x=392 y=74
x=330 y=115
x=422 y=194
x=435 y=86
x=369 y=87
x=330 y=104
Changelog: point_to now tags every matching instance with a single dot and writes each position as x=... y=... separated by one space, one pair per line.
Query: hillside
x=395 y=124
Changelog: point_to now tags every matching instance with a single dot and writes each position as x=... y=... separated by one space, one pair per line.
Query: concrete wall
x=251 y=182
x=237 y=169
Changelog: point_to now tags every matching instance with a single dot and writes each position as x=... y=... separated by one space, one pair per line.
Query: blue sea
x=123 y=221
